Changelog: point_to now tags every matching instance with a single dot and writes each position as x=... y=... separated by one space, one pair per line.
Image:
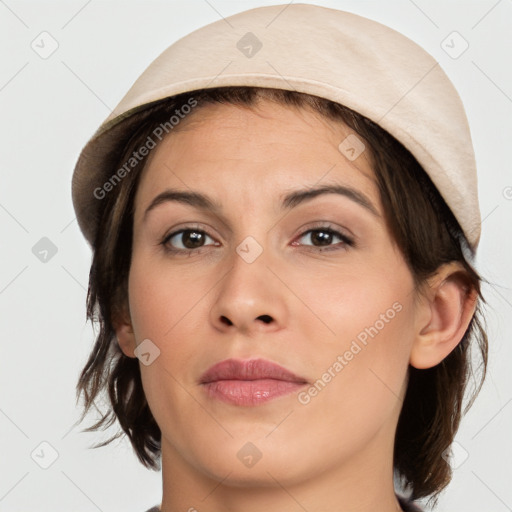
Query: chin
x=252 y=461
x=262 y=474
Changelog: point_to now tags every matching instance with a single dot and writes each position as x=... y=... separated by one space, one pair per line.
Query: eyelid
x=328 y=225
x=180 y=229
x=348 y=240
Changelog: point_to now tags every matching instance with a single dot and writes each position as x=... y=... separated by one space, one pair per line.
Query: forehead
x=256 y=150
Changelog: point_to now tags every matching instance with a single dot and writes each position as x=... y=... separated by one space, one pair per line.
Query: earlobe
x=124 y=334
x=445 y=314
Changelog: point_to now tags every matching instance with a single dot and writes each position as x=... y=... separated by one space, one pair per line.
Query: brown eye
x=325 y=237
x=186 y=239
x=321 y=237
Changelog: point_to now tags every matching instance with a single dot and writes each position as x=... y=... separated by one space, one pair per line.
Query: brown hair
x=423 y=227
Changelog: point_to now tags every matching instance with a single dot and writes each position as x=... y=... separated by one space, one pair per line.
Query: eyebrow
x=291 y=200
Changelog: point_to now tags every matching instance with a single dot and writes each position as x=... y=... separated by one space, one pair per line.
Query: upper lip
x=252 y=369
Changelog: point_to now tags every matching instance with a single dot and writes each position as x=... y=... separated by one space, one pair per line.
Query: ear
x=124 y=332
x=443 y=316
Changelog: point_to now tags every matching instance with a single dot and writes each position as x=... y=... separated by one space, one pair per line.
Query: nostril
x=266 y=318
x=226 y=320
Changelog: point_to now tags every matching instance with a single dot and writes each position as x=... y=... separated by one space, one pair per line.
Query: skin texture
x=333 y=453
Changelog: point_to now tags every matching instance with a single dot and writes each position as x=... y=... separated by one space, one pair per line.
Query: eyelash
x=345 y=244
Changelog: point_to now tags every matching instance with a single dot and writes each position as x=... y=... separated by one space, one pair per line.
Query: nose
x=249 y=298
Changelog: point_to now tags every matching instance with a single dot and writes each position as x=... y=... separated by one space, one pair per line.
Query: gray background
x=51 y=106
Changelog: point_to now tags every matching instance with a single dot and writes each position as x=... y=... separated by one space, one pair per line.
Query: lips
x=253 y=369
x=249 y=382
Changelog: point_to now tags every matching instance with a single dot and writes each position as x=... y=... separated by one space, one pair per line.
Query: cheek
x=362 y=332
x=359 y=381
x=349 y=302
x=160 y=300
x=163 y=314
x=170 y=309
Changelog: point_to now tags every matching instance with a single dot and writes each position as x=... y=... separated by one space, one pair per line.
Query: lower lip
x=250 y=392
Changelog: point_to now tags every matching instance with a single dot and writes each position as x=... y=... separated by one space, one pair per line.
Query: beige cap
x=333 y=54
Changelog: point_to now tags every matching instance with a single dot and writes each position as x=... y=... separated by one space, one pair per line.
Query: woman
x=283 y=224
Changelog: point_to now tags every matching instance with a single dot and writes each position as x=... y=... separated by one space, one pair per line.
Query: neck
x=362 y=484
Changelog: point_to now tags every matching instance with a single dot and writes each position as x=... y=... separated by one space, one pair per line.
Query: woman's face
x=313 y=284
